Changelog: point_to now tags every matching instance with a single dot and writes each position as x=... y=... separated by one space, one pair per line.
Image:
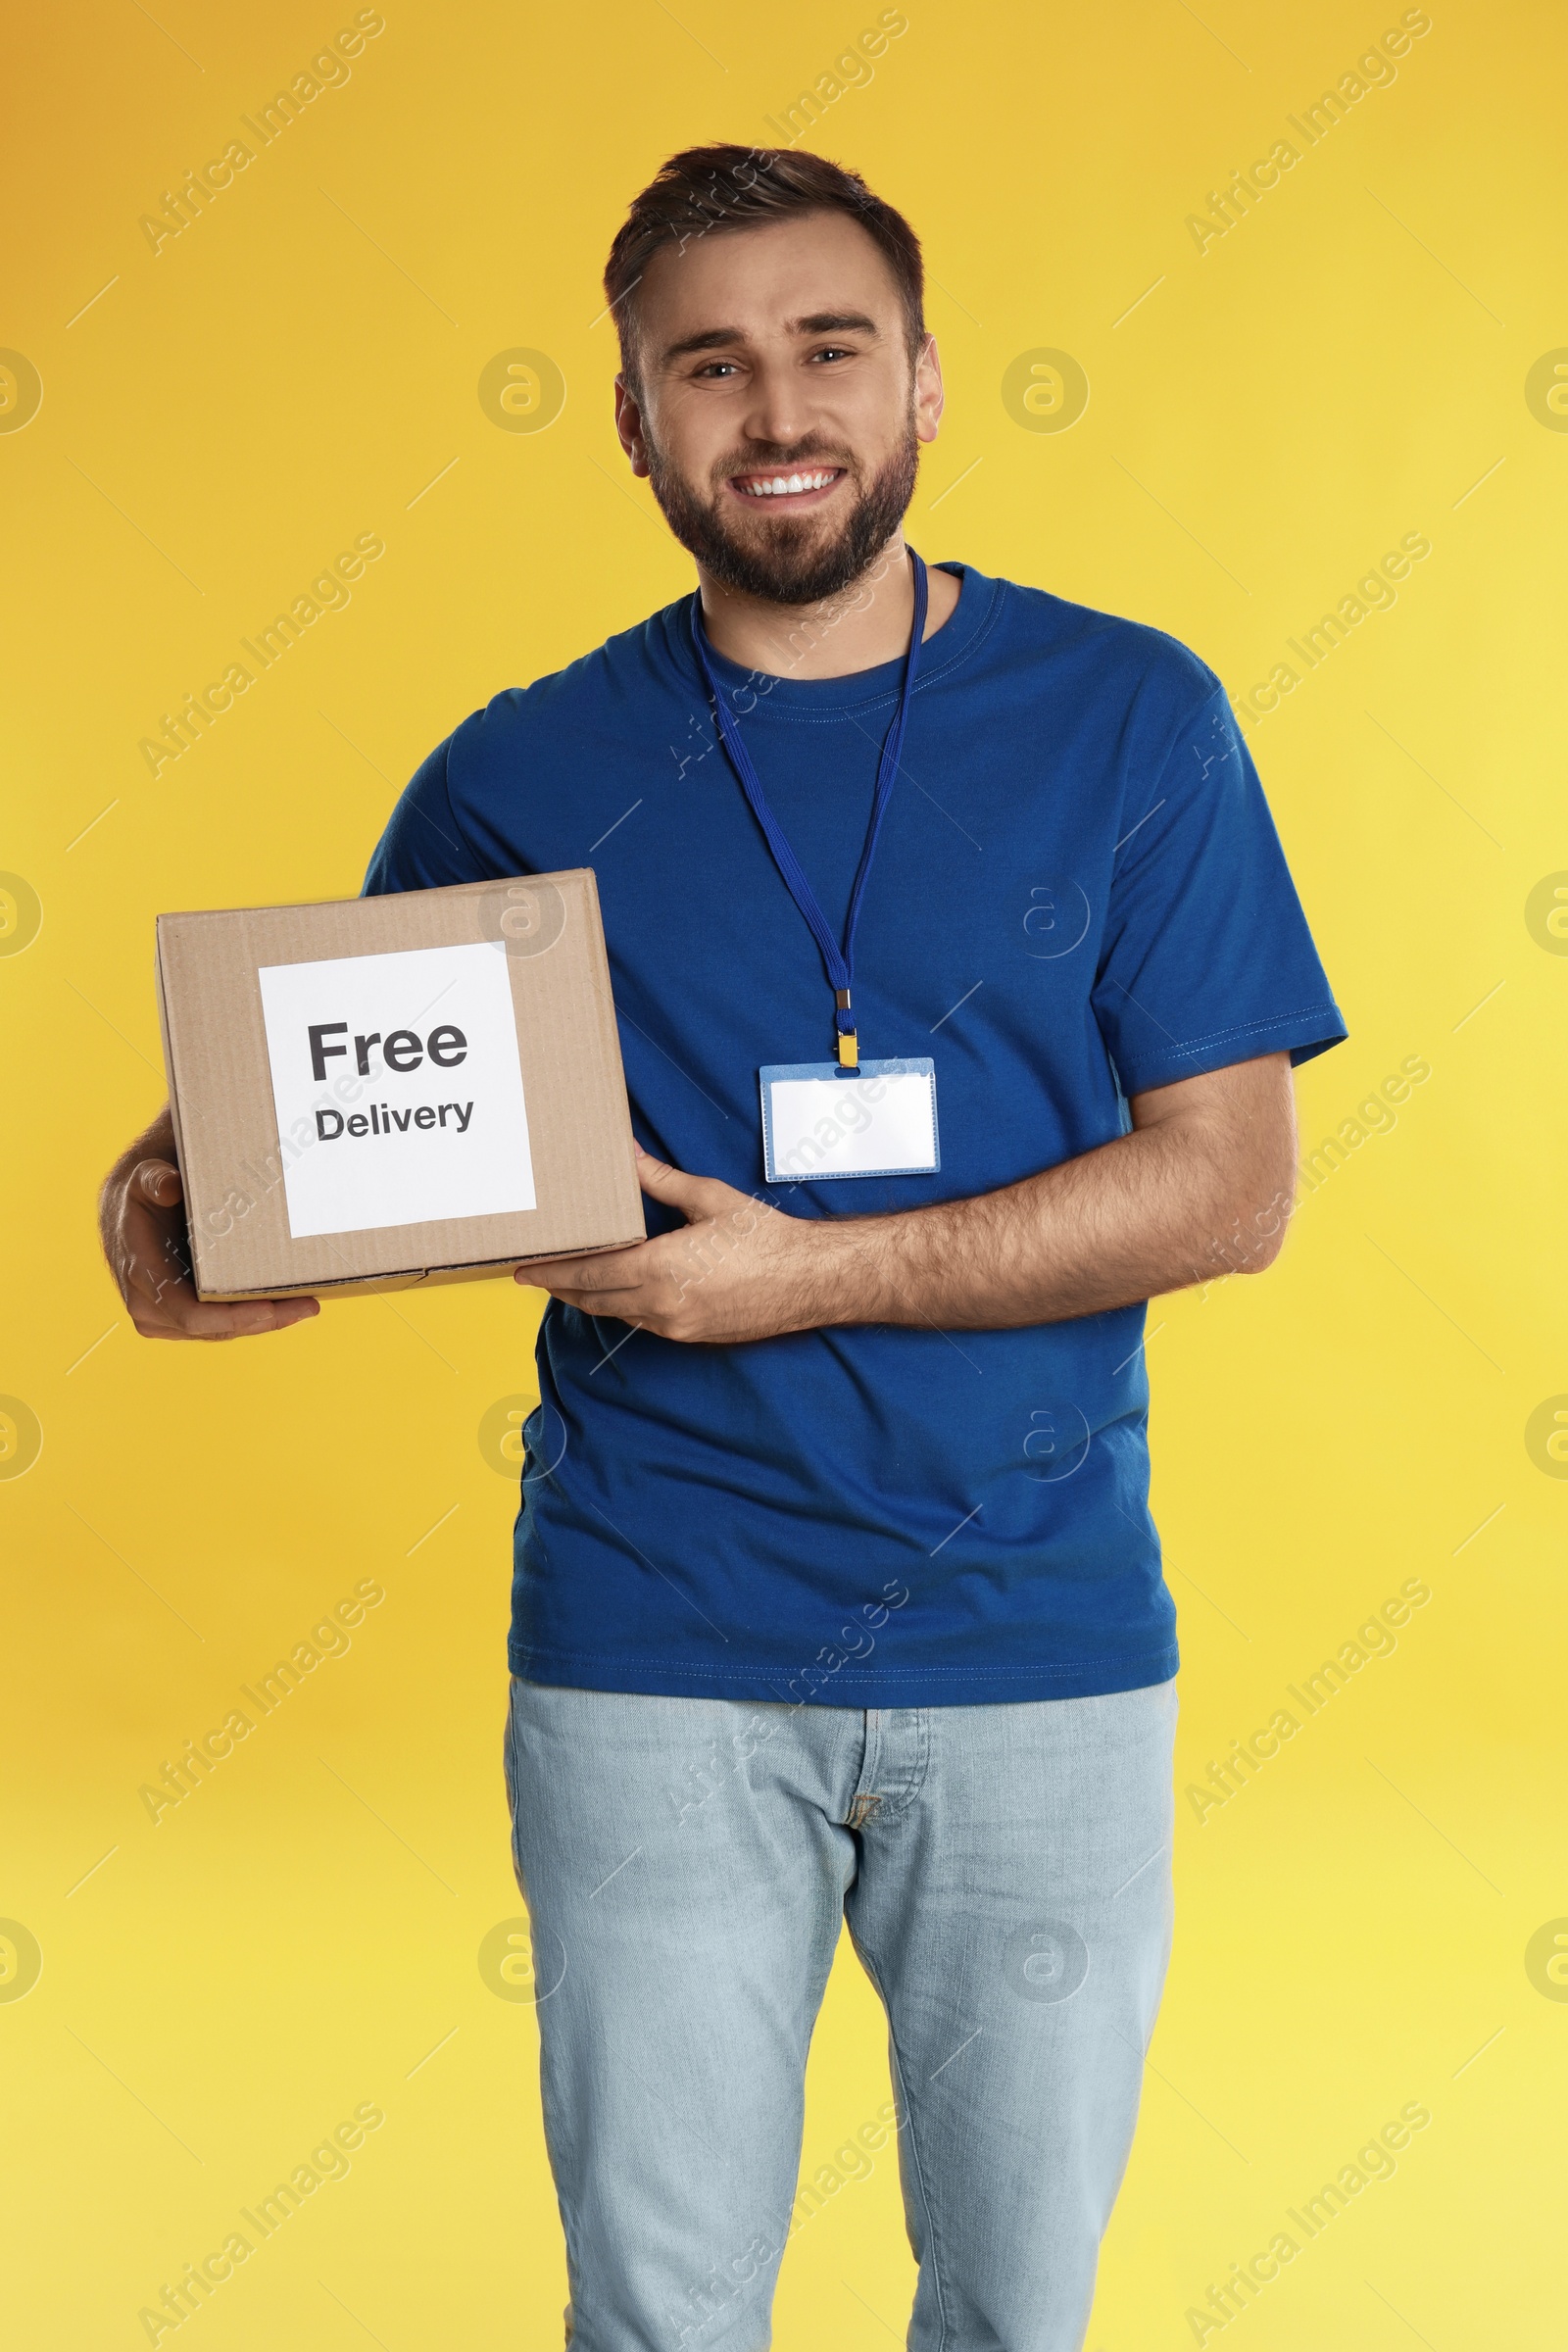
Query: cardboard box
x=378 y=1092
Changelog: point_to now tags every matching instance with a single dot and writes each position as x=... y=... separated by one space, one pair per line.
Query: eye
x=833 y=351
x=716 y=367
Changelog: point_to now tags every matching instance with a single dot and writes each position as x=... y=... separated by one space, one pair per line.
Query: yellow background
x=293 y=371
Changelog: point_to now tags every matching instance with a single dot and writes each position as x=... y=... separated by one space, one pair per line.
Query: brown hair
x=706 y=191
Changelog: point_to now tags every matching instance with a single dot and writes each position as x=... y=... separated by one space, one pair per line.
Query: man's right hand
x=141 y=1217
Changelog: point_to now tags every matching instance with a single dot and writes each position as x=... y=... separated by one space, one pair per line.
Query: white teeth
x=776 y=486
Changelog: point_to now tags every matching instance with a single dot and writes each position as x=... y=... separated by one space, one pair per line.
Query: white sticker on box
x=398 y=1088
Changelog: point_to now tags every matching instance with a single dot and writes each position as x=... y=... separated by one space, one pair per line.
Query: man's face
x=776 y=413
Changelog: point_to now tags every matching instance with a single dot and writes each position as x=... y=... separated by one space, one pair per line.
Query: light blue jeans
x=686 y=1863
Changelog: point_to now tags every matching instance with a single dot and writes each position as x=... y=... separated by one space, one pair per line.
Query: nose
x=778 y=410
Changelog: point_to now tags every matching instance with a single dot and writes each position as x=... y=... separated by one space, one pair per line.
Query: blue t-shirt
x=1079 y=893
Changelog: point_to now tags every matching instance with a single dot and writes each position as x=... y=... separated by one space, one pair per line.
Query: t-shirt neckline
x=761 y=691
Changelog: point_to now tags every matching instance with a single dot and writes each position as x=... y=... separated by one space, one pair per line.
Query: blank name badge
x=398 y=1088
x=820 y=1121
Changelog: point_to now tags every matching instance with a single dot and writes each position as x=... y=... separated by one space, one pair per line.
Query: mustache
x=773 y=456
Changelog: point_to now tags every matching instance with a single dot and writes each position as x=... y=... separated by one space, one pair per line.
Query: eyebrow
x=822 y=323
x=818 y=322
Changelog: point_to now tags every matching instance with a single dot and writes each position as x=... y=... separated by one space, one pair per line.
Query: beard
x=785 y=560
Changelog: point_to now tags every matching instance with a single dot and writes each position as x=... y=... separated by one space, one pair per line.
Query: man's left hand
x=738 y=1269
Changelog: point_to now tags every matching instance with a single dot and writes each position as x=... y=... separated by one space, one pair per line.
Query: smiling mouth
x=790 y=491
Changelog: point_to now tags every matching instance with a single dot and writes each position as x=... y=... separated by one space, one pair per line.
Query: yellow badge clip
x=849 y=1039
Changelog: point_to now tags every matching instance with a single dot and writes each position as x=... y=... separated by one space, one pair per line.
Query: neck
x=866 y=623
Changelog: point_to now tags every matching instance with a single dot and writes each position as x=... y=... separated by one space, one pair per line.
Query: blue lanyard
x=840 y=961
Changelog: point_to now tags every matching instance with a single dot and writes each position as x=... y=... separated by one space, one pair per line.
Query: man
x=837 y=1593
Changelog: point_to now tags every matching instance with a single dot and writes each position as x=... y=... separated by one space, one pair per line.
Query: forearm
x=1150 y=1212
x=1203 y=1185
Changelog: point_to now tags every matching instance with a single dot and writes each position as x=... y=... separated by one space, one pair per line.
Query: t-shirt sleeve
x=1207 y=957
x=423 y=847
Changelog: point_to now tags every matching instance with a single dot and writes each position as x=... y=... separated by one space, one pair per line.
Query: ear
x=629 y=425
x=929 y=396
